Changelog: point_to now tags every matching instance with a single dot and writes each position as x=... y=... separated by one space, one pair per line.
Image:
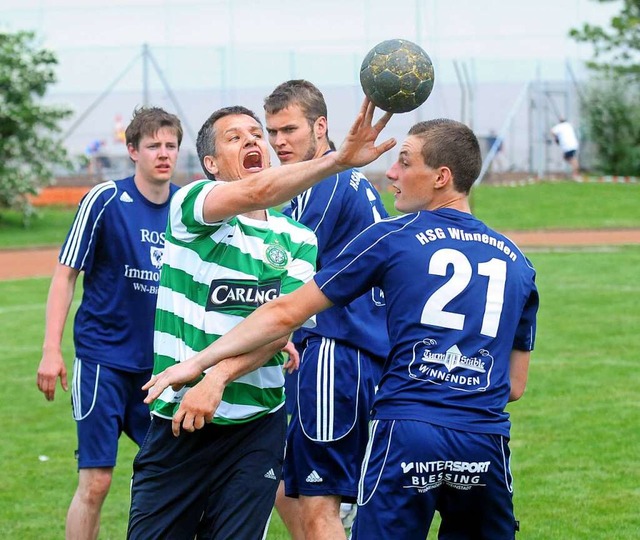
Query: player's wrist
x=217 y=378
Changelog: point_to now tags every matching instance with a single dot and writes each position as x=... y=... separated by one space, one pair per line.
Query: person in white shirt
x=565 y=136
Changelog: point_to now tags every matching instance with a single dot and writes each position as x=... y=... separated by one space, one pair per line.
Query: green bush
x=611 y=110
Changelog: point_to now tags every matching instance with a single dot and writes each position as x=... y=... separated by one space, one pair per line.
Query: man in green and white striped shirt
x=224 y=256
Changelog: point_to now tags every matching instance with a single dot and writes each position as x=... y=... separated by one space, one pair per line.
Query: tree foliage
x=611 y=107
x=617 y=49
x=30 y=143
x=611 y=114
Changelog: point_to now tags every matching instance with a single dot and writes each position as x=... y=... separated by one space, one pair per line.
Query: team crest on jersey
x=451 y=367
x=156 y=256
x=276 y=256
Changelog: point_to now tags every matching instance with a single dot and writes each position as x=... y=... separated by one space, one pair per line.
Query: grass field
x=545 y=205
x=576 y=433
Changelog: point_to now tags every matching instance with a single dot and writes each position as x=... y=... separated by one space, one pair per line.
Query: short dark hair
x=297 y=92
x=206 y=141
x=147 y=121
x=450 y=144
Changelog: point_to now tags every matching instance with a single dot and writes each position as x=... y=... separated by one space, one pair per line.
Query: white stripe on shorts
x=76 y=394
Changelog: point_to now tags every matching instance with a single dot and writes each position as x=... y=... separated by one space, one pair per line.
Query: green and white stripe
x=198 y=253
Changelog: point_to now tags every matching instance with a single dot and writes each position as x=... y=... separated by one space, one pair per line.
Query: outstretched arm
x=200 y=403
x=274 y=186
x=268 y=323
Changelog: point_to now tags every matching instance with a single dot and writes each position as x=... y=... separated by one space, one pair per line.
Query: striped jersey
x=117 y=240
x=216 y=274
x=460 y=297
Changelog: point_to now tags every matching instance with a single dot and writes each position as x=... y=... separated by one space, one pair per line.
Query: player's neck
x=156 y=192
x=456 y=201
x=322 y=149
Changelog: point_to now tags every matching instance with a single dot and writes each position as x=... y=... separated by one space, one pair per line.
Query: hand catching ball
x=397 y=76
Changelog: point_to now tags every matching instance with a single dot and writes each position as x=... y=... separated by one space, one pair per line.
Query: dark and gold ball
x=397 y=75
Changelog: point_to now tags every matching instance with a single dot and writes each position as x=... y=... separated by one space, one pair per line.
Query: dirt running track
x=40 y=262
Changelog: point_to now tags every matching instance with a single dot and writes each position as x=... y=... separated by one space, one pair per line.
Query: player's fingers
x=63 y=381
x=176 y=421
x=355 y=127
x=150 y=382
x=385 y=146
x=154 y=392
x=198 y=422
x=365 y=105
x=187 y=421
x=44 y=384
x=383 y=121
x=371 y=108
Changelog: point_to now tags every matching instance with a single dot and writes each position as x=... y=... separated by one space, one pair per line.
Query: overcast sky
x=480 y=30
x=215 y=52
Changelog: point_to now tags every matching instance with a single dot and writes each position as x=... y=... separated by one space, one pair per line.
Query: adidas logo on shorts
x=314 y=478
x=270 y=474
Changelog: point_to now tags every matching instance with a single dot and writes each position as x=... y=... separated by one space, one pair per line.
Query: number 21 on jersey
x=434 y=313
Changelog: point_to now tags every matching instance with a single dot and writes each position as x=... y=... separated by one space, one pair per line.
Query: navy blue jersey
x=336 y=209
x=117 y=239
x=459 y=298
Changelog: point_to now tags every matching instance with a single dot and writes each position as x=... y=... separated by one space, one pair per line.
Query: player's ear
x=445 y=177
x=133 y=152
x=320 y=127
x=210 y=164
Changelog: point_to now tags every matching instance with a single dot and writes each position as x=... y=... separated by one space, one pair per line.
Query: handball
x=397 y=76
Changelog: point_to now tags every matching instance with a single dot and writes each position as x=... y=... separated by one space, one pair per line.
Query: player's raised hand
x=175 y=376
x=359 y=148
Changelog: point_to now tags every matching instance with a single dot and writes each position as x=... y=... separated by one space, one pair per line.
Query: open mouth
x=252 y=161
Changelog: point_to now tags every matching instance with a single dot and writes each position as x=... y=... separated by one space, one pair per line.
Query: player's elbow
x=260 y=194
x=516 y=392
x=279 y=319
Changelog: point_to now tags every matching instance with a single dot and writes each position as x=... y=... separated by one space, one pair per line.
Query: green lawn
x=46 y=227
x=575 y=434
x=554 y=205
x=545 y=205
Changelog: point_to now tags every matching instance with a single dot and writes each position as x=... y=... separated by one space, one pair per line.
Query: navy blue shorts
x=219 y=482
x=291 y=390
x=414 y=468
x=106 y=402
x=328 y=433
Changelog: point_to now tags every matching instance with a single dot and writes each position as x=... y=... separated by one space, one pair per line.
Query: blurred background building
x=506 y=68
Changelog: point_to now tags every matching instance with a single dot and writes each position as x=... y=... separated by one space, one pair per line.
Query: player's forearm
x=58 y=305
x=261 y=328
x=284 y=183
x=271 y=321
x=230 y=369
x=268 y=188
x=518 y=373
